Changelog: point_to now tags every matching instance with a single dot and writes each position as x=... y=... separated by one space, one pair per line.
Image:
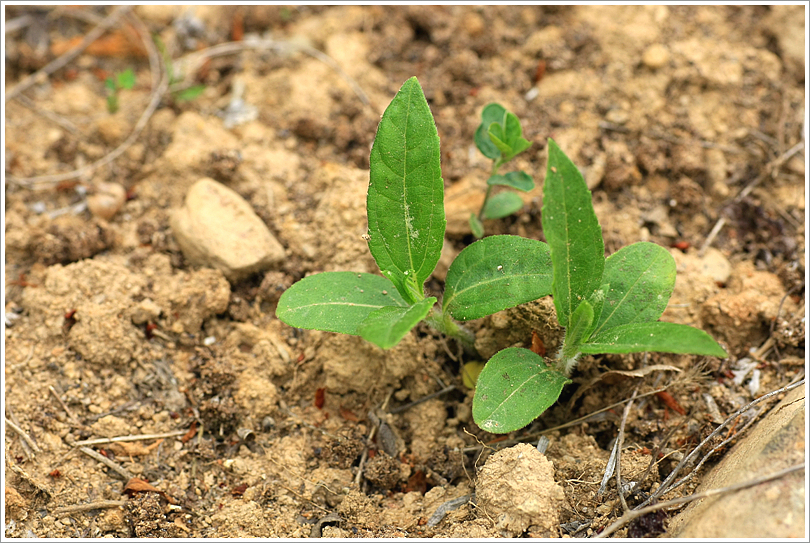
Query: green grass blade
x=641 y=277
x=513 y=389
x=336 y=301
x=659 y=337
x=406 y=193
x=502 y=205
x=386 y=326
x=496 y=273
x=572 y=232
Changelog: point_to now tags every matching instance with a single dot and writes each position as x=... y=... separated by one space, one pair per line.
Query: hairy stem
x=447 y=326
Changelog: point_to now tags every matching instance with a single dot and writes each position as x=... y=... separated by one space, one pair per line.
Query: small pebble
x=655 y=56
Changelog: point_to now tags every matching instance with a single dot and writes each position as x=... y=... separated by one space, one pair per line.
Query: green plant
x=406 y=223
x=122 y=80
x=179 y=90
x=500 y=138
x=606 y=306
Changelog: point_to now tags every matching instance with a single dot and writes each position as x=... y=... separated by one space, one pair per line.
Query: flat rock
x=217 y=228
x=772 y=509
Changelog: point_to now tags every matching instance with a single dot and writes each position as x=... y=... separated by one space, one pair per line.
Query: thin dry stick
x=120 y=470
x=63 y=60
x=80 y=508
x=770 y=170
x=144 y=437
x=667 y=485
x=620 y=442
x=632 y=515
x=25 y=437
x=50 y=115
x=190 y=62
x=63 y=404
x=160 y=82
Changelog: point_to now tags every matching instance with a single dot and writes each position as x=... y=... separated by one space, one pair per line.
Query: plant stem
x=447 y=326
x=496 y=165
x=567 y=358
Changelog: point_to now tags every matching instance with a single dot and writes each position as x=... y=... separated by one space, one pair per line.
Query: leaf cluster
x=499 y=137
x=406 y=225
x=607 y=305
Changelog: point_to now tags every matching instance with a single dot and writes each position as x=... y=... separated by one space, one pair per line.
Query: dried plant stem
x=80 y=508
x=160 y=83
x=144 y=437
x=64 y=59
x=632 y=515
x=120 y=470
x=24 y=436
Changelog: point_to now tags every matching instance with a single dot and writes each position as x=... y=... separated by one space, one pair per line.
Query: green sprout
x=607 y=305
x=122 y=80
x=406 y=224
x=500 y=138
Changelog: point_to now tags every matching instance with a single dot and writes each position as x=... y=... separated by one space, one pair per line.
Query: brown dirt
x=670 y=111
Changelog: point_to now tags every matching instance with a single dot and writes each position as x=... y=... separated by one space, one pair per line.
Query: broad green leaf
x=109 y=84
x=492 y=113
x=476 y=226
x=496 y=273
x=660 y=337
x=406 y=193
x=517 y=180
x=513 y=389
x=579 y=326
x=502 y=205
x=336 y=301
x=641 y=277
x=572 y=232
x=386 y=326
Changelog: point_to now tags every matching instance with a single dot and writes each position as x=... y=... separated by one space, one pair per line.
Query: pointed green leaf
x=496 y=273
x=514 y=135
x=578 y=329
x=498 y=137
x=492 y=113
x=641 y=277
x=660 y=337
x=502 y=205
x=476 y=226
x=572 y=232
x=336 y=301
x=517 y=180
x=386 y=326
x=513 y=389
x=406 y=193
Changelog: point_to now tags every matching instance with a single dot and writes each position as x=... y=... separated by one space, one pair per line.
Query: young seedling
x=406 y=224
x=500 y=138
x=607 y=305
x=122 y=80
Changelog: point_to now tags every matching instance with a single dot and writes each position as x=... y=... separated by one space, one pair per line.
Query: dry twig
x=120 y=470
x=632 y=515
x=82 y=507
